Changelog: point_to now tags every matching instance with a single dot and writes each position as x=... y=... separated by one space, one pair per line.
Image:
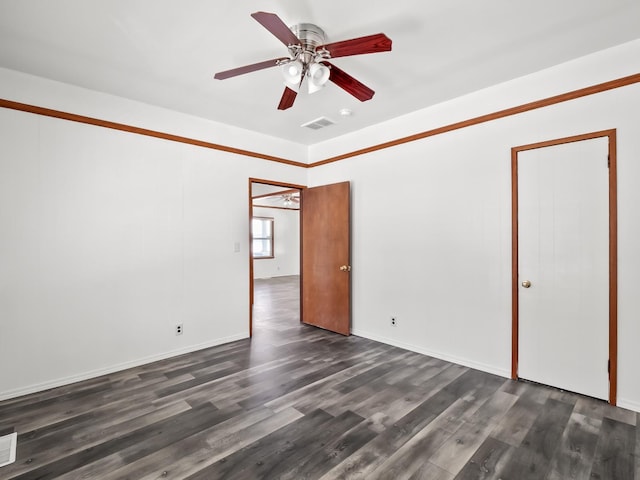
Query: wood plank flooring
x=296 y=402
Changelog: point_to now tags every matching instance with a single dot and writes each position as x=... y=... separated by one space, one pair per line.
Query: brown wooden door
x=325 y=266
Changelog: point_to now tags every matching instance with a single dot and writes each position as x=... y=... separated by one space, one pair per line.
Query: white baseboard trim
x=629 y=404
x=442 y=356
x=59 y=382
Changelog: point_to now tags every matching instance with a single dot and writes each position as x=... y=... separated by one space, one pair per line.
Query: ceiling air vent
x=318 y=123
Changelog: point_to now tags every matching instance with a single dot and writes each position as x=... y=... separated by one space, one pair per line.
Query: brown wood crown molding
x=273 y=207
x=72 y=117
x=582 y=92
x=572 y=95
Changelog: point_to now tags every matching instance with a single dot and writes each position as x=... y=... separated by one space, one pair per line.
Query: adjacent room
x=321 y=240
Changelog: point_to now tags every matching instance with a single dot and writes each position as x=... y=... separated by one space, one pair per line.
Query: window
x=262 y=234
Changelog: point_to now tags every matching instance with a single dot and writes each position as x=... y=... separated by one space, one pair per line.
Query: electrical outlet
x=179 y=329
x=394 y=322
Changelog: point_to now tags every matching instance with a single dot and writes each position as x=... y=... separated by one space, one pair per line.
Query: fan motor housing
x=310 y=35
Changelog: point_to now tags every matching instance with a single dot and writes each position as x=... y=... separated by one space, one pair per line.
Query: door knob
x=526 y=284
x=345 y=268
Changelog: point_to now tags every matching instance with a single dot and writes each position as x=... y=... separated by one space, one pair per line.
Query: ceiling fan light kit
x=318 y=76
x=308 y=59
x=292 y=72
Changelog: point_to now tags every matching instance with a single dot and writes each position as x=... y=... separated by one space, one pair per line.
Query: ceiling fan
x=289 y=199
x=308 y=58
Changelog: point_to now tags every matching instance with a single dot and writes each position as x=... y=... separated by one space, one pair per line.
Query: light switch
x=236 y=247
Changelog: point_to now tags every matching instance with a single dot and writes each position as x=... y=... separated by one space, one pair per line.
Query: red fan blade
x=277 y=27
x=288 y=97
x=358 y=46
x=234 y=72
x=349 y=84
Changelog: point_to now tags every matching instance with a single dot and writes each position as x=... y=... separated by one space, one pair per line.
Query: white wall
x=110 y=239
x=286 y=261
x=431 y=219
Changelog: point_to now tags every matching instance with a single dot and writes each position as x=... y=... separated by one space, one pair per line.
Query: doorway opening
x=274 y=253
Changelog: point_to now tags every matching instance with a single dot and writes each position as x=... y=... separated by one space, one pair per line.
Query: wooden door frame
x=613 y=251
x=275 y=184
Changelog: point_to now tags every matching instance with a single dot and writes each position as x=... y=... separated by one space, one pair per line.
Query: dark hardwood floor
x=296 y=402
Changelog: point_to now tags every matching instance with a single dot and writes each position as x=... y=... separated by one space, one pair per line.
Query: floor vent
x=318 y=123
x=8 y=449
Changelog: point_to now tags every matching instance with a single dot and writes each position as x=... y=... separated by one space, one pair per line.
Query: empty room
x=319 y=240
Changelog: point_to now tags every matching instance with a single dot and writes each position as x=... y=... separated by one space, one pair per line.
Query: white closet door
x=563 y=252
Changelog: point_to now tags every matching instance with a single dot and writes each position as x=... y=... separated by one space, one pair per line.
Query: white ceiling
x=165 y=52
